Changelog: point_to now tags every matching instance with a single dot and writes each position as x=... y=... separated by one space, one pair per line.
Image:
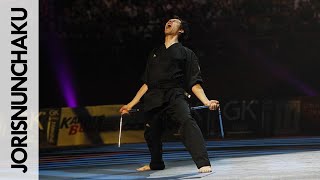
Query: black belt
x=164 y=85
x=167 y=86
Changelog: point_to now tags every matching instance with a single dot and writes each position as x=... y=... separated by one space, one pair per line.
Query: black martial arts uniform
x=169 y=74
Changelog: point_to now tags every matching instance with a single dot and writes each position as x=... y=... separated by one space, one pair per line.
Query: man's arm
x=135 y=100
x=199 y=92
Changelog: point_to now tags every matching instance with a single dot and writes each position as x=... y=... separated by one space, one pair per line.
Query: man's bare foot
x=144 y=168
x=205 y=169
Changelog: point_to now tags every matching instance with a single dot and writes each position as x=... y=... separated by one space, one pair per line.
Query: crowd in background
x=232 y=32
x=125 y=19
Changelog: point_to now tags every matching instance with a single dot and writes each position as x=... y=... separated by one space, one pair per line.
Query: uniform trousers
x=176 y=111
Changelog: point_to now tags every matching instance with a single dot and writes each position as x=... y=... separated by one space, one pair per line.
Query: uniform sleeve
x=144 y=77
x=193 y=71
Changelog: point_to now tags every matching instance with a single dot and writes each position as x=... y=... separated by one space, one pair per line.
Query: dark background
x=247 y=48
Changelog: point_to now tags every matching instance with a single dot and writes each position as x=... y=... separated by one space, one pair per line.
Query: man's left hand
x=212 y=104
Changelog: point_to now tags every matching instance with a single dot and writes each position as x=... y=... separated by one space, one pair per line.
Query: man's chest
x=167 y=58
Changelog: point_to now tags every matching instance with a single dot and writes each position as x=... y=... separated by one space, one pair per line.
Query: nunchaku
x=120 y=128
x=192 y=108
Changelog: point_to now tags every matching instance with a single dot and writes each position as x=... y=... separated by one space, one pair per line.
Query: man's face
x=172 y=27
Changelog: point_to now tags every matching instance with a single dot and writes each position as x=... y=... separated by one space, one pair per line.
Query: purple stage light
x=276 y=70
x=285 y=75
x=66 y=87
x=59 y=62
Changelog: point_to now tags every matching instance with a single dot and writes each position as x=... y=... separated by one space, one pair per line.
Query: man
x=171 y=70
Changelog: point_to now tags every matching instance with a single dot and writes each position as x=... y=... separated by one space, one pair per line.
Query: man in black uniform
x=171 y=70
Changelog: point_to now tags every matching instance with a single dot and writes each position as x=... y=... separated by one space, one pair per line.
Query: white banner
x=19 y=139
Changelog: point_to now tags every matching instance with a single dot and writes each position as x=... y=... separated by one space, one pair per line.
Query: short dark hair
x=185 y=27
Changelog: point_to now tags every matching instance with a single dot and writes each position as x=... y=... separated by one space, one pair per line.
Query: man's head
x=177 y=26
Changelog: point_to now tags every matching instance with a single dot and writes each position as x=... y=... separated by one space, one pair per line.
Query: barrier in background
x=310 y=114
x=249 y=118
x=262 y=118
x=86 y=126
x=49 y=120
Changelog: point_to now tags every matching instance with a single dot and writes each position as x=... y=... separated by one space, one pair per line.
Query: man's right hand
x=125 y=109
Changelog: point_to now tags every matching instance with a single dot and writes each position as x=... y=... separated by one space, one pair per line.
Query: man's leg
x=191 y=134
x=152 y=135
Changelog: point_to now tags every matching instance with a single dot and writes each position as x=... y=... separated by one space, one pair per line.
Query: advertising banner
x=95 y=125
x=49 y=120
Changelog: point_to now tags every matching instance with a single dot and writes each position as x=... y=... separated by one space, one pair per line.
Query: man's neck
x=169 y=40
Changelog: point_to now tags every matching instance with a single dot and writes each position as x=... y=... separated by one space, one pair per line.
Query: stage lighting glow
x=67 y=89
x=276 y=70
x=59 y=61
x=285 y=75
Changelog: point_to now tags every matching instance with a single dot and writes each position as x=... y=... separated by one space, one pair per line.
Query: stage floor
x=294 y=158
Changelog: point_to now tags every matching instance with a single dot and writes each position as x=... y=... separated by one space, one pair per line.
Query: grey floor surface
x=262 y=163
